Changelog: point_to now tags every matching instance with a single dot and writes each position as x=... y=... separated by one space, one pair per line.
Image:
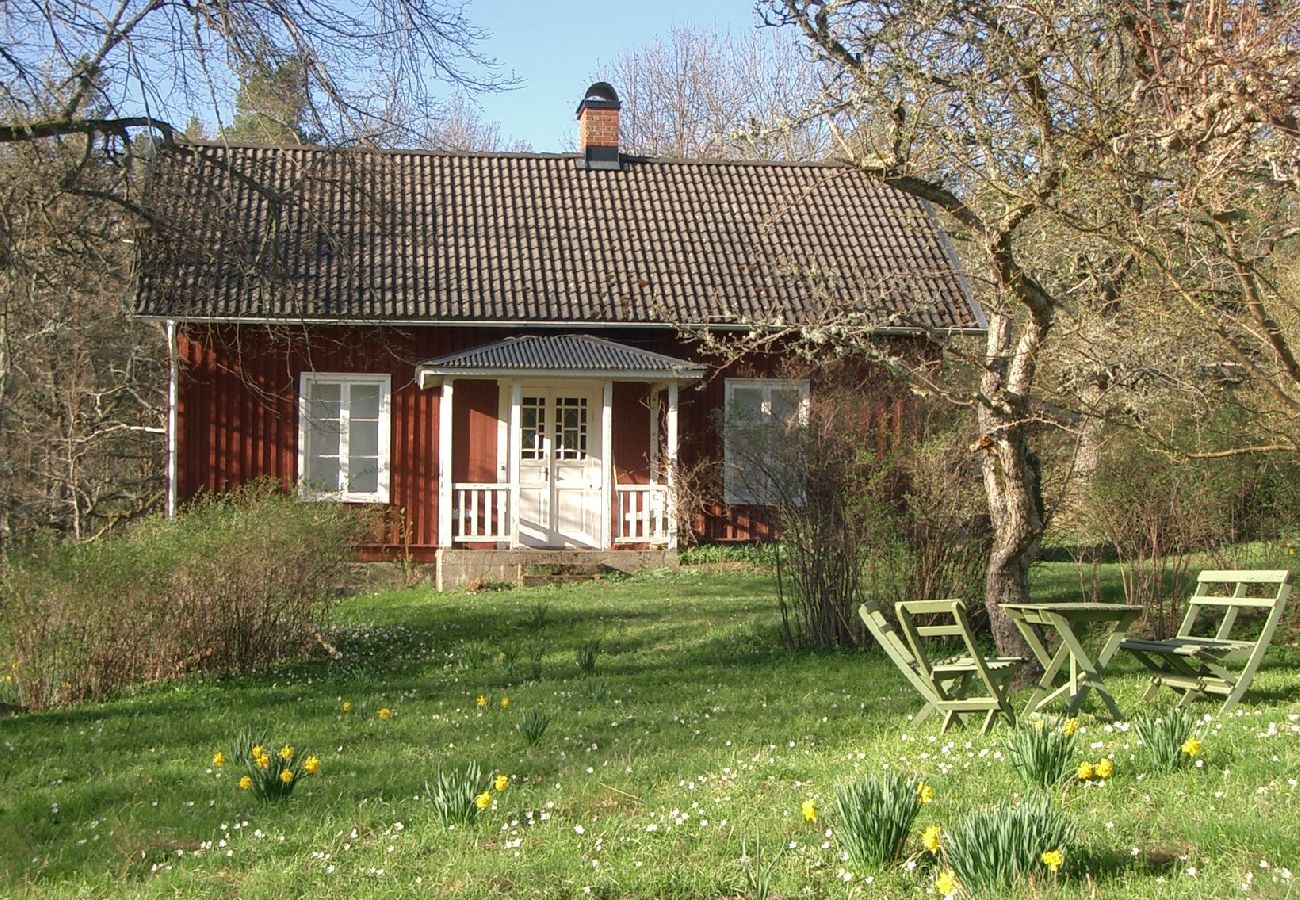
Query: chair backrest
x=945 y=619
x=1233 y=591
x=887 y=636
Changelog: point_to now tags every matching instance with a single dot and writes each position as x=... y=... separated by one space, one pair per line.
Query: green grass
x=703 y=736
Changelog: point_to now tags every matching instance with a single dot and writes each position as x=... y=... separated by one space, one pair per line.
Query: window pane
x=325 y=400
x=323 y=438
x=363 y=475
x=745 y=404
x=363 y=401
x=363 y=440
x=323 y=473
x=785 y=406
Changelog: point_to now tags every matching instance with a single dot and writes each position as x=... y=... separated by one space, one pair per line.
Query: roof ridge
x=222 y=144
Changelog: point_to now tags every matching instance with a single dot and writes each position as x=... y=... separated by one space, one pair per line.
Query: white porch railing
x=481 y=512
x=642 y=514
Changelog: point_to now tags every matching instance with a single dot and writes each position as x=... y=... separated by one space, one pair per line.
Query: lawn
x=694 y=735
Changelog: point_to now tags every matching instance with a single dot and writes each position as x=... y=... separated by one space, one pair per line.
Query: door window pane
x=532 y=425
x=571 y=428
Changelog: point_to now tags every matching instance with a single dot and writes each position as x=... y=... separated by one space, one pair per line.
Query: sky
x=555 y=46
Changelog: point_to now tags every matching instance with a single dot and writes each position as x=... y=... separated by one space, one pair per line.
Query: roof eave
x=430 y=376
x=888 y=330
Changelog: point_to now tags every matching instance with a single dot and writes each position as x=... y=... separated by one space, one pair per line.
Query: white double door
x=561 y=475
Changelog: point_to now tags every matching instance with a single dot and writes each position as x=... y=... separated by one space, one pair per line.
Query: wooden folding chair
x=965 y=683
x=1194 y=664
x=887 y=636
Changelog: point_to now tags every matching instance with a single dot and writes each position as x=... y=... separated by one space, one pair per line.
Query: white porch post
x=512 y=459
x=444 y=465
x=173 y=397
x=606 y=463
x=671 y=453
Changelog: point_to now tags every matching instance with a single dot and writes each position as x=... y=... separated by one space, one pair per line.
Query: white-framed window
x=343 y=437
x=758 y=418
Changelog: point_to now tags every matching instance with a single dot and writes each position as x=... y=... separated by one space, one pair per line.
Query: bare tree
x=701 y=95
x=459 y=126
x=113 y=70
x=81 y=384
x=1080 y=203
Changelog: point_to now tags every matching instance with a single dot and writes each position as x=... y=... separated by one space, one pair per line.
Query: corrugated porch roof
x=559 y=356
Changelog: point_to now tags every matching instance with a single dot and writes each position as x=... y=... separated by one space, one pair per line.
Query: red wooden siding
x=238 y=416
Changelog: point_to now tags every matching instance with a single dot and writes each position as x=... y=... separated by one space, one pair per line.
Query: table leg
x=1084 y=673
x=1044 y=693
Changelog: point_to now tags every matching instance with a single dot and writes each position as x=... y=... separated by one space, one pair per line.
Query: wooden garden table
x=1035 y=620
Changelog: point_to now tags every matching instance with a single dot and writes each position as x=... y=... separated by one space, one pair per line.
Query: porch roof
x=558 y=356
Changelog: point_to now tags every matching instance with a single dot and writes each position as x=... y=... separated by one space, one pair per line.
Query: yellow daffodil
x=945 y=883
x=1104 y=768
x=264 y=761
x=505 y=702
x=256 y=751
x=347 y=706
x=1192 y=746
x=930 y=839
x=925 y=793
x=809 y=810
x=218 y=758
x=1086 y=771
x=481 y=701
x=311 y=765
x=483 y=800
x=286 y=775
x=246 y=783
x=1053 y=859
x=286 y=753
x=1070 y=727
x=385 y=713
x=501 y=782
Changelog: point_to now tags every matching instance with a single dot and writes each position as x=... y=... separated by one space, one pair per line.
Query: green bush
x=459 y=795
x=876 y=814
x=1044 y=753
x=1167 y=739
x=233 y=583
x=271 y=773
x=990 y=850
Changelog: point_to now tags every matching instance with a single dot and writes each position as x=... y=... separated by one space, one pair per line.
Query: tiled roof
x=559 y=352
x=316 y=234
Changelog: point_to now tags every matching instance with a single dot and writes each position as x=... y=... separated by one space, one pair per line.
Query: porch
x=557 y=442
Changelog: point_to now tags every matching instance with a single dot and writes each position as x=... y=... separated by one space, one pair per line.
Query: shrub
x=459 y=795
x=534 y=726
x=1155 y=514
x=873 y=500
x=585 y=656
x=1043 y=752
x=876 y=815
x=271 y=773
x=537 y=614
x=991 y=849
x=231 y=584
x=1167 y=739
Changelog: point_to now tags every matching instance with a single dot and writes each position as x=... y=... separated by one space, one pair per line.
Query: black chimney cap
x=600 y=95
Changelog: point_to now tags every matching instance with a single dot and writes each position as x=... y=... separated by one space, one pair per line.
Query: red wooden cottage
x=489 y=345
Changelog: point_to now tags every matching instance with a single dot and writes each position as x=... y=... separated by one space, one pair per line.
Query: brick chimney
x=598 y=128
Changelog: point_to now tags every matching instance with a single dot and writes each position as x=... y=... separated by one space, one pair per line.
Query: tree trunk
x=1010 y=479
x=1017 y=527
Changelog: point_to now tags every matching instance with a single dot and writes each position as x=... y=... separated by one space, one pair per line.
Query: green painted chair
x=953 y=685
x=1208 y=660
